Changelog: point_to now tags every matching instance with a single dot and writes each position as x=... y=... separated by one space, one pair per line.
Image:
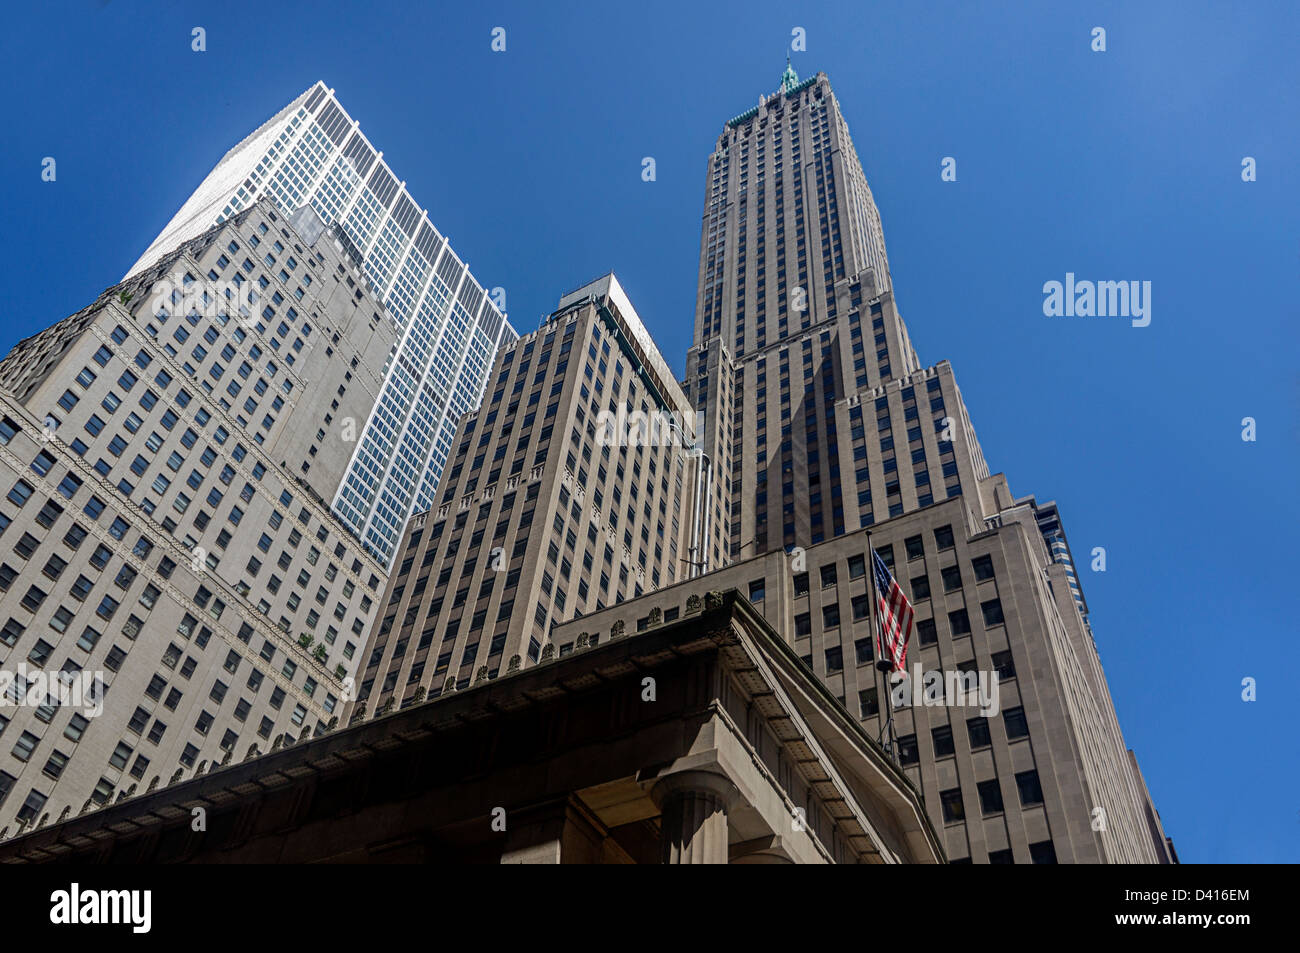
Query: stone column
x=694 y=807
x=558 y=831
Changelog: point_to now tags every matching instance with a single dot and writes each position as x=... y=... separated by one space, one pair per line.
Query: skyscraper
x=806 y=452
x=571 y=488
x=837 y=432
x=701 y=740
x=168 y=456
x=312 y=153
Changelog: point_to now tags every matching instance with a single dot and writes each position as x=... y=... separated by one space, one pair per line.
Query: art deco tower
x=837 y=429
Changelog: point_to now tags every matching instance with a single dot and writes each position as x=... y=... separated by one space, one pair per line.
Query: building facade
x=836 y=431
x=701 y=740
x=312 y=153
x=572 y=487
x=168 y=455
x=809 y=448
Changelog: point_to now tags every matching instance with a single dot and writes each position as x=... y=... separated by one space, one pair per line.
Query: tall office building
x=835 y=431
x=561 y=561
x=571 y=488
x=312 y=153
x=167 y=455
x=809 y=448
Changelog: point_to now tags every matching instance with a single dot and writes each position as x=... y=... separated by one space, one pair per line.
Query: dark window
x=1042 y=853
x=915 y=548
x=1006 y=668
x=926 y=633
x=992 y=612
x=1030 y=791
x=1014 y=719
x=942 y=737
x=952 y=807
x=990 y=796
x=868 y=703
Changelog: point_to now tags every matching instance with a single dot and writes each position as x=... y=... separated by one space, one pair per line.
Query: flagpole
x=886 y=737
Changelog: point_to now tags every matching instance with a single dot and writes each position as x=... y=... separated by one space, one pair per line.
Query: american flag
x=894 y=614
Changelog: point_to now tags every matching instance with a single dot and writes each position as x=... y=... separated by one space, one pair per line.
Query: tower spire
x=789 y=79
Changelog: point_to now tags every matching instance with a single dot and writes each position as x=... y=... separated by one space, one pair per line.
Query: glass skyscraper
x=313 y=153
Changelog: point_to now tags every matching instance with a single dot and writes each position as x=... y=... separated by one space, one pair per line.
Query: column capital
x=695 y=781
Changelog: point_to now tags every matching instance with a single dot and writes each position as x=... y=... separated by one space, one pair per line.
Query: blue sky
x=1117 y=165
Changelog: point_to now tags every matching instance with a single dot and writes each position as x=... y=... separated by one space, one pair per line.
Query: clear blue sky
x=1117 y=165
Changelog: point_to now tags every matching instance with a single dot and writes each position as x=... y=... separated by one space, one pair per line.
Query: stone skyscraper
x=167 y=456
x=816 y=427
x=312 y=153
x=834 y=429
x=545 y=513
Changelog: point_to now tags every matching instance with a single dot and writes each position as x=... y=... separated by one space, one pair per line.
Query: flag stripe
x=894 y=613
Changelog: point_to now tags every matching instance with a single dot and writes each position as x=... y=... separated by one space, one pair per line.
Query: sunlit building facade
x=313 y=153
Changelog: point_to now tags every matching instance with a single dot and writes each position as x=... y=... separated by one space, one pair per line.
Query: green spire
x=789 y=79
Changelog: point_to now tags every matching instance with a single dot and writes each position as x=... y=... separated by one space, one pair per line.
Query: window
x=20 y=493
x=942 y=738
x=943 y=537
x=56 y=763
x=868 y=703
x=1031 y=792
x=951 y=579
x=26 y=744
x=977 y=730
x=1014 y=720
x=907 y=750
x=77 y=725
x=1005 y=667
x=756 y=591
x=926 y=633
x=983 y=567
x=1042 y=852
x=992 y=612
x=43 y=462
x=990 y=796
x=33 y=599
x=953 y=811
